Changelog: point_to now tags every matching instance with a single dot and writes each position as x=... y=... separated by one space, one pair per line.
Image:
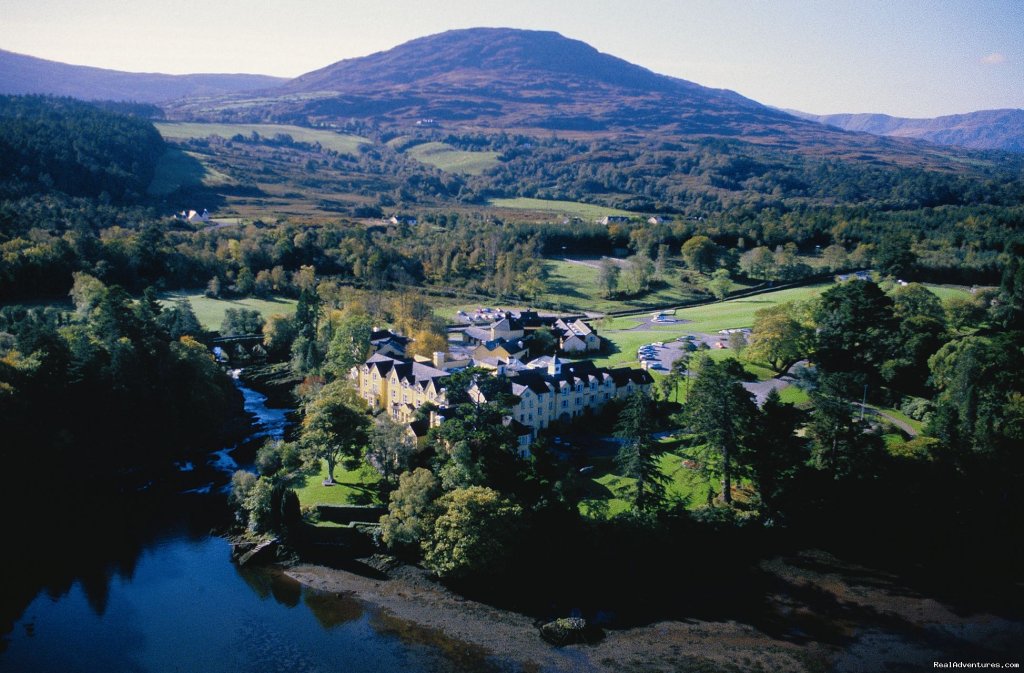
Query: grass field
x=210 y=312
x=184 y=169
x=584 y=211
x=352 y=487
x=576 y=287
x=338 y=142
x=453 y=160
x=709 y=318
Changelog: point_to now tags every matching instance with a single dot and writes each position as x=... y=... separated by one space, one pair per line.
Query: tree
x=411 y=509
x=427 y=341
x=1008 y=307
x=720 y=284
x=758 y=263
x=239 y=321
x=638 y=457
x=306 y=353
x=700 y=253
x=835 y=257
x=720 y=411
x=279 y=334
x=915 y=300
x=980 y=380
x=893 y=256
x=474 y=534
x=179 y=320
x=841 y=442
x=781 y=336
x=774 y=453
x=856 y=328
x=609 y=277
x=333 y=429
x=350 y=345
x=681 y=372
x=390 y=448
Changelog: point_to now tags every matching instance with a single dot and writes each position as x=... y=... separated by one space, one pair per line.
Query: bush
x=917 y=407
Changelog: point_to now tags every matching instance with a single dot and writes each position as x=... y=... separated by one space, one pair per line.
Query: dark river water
x=173 y=601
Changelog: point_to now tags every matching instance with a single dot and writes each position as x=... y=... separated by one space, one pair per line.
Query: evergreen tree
x=721 y=412
x=638 y=457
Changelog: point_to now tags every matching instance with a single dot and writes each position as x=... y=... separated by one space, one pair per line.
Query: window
x=565 y=404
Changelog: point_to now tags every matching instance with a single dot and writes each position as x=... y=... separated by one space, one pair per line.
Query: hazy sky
x=901 y=57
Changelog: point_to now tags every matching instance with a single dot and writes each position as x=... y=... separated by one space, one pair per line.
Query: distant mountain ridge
x=20 y=74
x=984 y=130
x=504 y=78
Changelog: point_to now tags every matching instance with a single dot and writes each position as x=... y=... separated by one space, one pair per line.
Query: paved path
x=901 y=424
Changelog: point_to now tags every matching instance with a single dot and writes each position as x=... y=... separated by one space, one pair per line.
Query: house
x=576 y=337
x=399 y=387
x=502 y=349
x=194 y=217
x=612 y=219
x=446 y=362
x=656 y=219
x=548 y=390
x=551 y=390
x=402 y=219
x=388 y=343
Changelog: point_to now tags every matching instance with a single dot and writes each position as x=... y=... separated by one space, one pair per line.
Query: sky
x=909 y=58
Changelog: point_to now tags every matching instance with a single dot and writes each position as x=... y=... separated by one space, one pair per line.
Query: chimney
x=439 y=359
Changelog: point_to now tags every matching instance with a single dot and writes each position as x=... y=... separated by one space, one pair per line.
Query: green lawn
x=946 y=291
x=584 y=211
x=211 y=311
x=611 y=488
x=351 y=487
x=338 y=142
x=740 y=312
x=794 y=395
x=453 y=160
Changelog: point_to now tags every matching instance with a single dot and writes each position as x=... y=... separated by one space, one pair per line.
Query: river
x=170 y=600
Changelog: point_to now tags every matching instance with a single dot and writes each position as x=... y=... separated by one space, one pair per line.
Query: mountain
x=505 y=78
x=20 y=74
x=984 y=130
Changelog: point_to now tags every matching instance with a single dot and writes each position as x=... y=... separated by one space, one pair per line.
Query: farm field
x=210 y=312
x=584 y=211
x=338 y=142
x=452 y=160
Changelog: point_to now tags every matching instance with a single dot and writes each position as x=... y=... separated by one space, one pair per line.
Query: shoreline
x=826 y=615
x=413 y=606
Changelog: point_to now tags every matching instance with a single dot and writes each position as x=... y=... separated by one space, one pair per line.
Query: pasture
x=452 y=160
x=585 y=211
x=338 y=142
